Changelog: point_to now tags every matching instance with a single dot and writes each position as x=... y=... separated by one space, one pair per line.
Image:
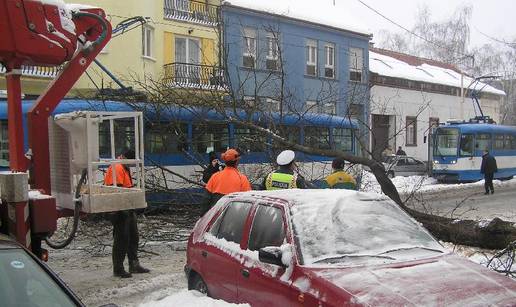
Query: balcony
x=192 y=11
x=194 y=76
x=37 y=71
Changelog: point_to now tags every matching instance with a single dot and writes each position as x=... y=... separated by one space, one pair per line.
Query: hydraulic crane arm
x=41 y=33
x=96 y=32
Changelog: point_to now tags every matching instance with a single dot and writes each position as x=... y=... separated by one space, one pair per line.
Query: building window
x=411 y=131
x=272 y=59
x=187 y=58
x=311 y=58
x=329 y=108
x=311 y=106
x=356 y=111
x=329 y=64
x=147 y=41
x=356 y=64
x=272 y=105
x=249 y=52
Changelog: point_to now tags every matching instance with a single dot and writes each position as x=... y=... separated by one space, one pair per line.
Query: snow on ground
x=411 y=184
x=187 y=298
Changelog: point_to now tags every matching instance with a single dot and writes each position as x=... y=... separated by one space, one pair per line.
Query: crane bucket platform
x=41 y=33
x=87 y=143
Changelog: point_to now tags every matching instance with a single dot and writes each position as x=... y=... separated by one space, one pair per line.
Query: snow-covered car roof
x=331 y=223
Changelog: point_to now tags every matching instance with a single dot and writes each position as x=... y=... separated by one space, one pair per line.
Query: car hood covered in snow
x=443 y=281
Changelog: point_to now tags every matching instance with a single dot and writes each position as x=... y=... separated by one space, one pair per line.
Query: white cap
x=285 y=157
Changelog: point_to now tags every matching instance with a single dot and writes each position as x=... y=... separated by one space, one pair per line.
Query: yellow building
x=178 y=44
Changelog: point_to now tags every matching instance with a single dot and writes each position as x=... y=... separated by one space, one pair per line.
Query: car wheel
x=390 y=174
x=198 y=284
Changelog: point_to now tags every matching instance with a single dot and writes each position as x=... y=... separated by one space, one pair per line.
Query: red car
x=330 y=248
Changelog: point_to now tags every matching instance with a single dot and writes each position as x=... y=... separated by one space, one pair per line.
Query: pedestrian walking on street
x=213 y=167
x=340 y=179
x=488 y=168
x=285 y=177
x=226 y=181
x=125 y=228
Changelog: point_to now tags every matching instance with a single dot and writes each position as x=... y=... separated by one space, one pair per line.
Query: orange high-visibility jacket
x=227 y=181
x=123 y=176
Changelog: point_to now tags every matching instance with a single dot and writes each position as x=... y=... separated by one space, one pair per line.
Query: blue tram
x=180 y=139
x=458 y=148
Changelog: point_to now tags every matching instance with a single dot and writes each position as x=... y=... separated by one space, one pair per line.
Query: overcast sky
x=493 y=17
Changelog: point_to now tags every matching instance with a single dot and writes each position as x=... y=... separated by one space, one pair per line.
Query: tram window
x=208 y=137
x=483 y=141
x=317 y=137
x=123 y=136
x=166 y=138
x=249 y=140
x=290 y=133
x=342 y=139
x=466 y=145
x=4 y=144
x=498 y=141
x=509 y=142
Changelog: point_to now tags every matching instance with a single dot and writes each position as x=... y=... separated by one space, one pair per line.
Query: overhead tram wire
x=412 y=32
x=500 y=41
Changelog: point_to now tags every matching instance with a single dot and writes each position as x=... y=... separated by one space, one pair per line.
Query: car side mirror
x=271 y=255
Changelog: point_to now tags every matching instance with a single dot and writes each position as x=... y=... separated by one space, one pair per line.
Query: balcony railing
x=192 y=11
x=194 y=76
x=37 y=71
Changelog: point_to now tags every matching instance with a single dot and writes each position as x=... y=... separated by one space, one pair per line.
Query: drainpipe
x=462 y=95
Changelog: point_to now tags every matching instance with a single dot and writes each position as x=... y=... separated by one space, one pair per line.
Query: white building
x=409 y=95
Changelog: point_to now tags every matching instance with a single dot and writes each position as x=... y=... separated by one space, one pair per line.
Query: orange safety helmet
x=230 y=155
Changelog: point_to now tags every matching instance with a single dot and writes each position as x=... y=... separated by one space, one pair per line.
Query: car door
x=419 y=167
x=401 y=168
x=261 y=284
x=220 y=251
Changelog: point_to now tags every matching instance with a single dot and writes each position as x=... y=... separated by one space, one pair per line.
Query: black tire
x=197 y=283
x=390 y=174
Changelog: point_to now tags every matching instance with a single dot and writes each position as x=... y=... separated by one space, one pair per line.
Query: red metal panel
x=46 y=213
x=17 y=160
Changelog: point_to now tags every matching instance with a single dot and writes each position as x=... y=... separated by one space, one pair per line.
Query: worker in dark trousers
x=125 y=228
x=488 y=168
x=285 y=177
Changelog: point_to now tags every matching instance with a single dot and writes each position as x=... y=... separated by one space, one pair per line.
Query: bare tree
x=241 y=101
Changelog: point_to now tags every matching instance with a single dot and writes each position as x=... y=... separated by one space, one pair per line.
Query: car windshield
x=446 y=140
x=24 y=283
x=349 y=227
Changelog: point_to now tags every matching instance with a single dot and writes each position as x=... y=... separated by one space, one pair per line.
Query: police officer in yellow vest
x=285 y=176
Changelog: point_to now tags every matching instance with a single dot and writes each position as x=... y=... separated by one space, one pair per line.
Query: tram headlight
x=436 y=162
x=453 y=162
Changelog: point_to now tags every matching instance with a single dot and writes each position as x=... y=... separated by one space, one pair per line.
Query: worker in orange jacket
x=125 y=228
x=226 y=181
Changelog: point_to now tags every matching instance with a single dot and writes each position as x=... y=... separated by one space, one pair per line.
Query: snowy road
x=462 y=201
x=470 y=202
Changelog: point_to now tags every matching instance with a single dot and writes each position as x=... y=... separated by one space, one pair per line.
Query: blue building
x=278 y=58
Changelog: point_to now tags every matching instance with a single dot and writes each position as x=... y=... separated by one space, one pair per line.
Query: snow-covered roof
x=323 y=13
x=438 y=74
